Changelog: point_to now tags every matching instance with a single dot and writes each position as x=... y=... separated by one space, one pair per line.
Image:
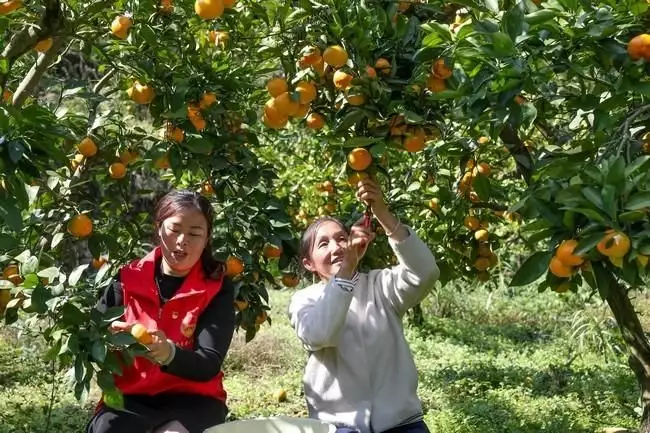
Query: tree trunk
x=633 y=335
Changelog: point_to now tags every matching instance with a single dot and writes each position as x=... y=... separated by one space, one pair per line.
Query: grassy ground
x=503 y=362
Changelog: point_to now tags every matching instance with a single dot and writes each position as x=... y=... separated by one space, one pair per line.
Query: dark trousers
x=416 y=427
x=143 y=413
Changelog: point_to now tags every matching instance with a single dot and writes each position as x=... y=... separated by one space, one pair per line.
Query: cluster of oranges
x=485 y=257
x=284 y=104
x=87 y=148
x=471 y=172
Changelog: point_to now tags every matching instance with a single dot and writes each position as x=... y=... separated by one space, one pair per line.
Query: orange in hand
x=140 y=333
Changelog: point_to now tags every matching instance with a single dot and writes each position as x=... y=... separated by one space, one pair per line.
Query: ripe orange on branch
x=359 y=159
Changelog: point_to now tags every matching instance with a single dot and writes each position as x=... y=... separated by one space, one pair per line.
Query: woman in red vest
x=178 y=292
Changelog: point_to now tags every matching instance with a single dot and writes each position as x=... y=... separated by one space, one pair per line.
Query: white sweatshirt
x=360 y=371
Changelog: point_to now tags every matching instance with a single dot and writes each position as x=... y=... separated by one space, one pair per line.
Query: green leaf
x=199 y=145
x=39 y=298
x=632 y=216
x=113 y=399
x=589 y=213
x=513 y=21
x=50 y=273
x=98 y=351
x=7 y=242
x=56 y=240
x=361 y=141
x=616 y=173
x=532 y=269
x=636 y=165
x=638 y=201
x=587 y=243
x=106 y=381
x=482 y=187
x=540 y=16
x=30 y=266
x=594 y=197
x=503 y=45
x=73 y=279
x=122 y=339
x=10 y=213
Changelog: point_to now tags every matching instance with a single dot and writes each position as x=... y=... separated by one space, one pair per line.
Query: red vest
x=177 y=319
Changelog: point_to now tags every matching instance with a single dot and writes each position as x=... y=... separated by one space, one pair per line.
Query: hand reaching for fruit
x=160 y=349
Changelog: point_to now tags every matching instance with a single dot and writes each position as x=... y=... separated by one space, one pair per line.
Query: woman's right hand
x=358 y=241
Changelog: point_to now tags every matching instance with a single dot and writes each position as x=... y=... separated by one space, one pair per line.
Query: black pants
x=142 y=413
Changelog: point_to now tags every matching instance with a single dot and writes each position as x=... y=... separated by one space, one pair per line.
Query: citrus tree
x=487 y=113
x=83 y=160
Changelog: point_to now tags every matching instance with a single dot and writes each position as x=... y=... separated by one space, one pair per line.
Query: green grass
x=488 y=363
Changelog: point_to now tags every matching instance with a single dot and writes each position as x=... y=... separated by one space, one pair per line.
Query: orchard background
x=511 y=135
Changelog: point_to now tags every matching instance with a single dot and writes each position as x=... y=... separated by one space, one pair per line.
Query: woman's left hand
x=160 y=349
x=369 y=192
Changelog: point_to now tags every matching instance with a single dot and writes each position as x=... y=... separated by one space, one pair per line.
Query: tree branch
x=518 y=150
x=33 y=77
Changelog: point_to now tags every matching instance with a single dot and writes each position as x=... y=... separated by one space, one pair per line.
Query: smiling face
x=326 y=250
x=183 y=236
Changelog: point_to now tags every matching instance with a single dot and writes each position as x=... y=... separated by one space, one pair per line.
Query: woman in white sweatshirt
x=360 y=374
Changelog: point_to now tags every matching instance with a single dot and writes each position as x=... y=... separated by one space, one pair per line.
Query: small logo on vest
x=188 y=325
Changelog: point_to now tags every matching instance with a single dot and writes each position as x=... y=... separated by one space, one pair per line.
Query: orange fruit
x=371 y=72
x=126 y=156
x=359 y=159
x=559 y=269
x=382 y=66
x=7 y=95
x=434 y=204
x=199 y=123
x=315 y=121
x=357 y=177
x=117 y=170
x=261 y=318
x=356 y=99
x=274 y=123
x=44 y=45
x=285 y=104
x=10 y=6
x=614 y=244
x=303 y=109
x=272 y=252
x=639 y=47
x=120 y=26
x=435 y=84
x=208 y=9
x=483 y=276
x=12 y=274
x=483 y=140
x=335 y=55
x=207 y=100
x=141 y=93
x=207 y=188
x=306 y=91
x=162 y=162
x=141 y=335
x=76 y=162
x=310 y=56
x=342 y=80
x=482 y=263
x=441 y=70
x=87 y=147
x=415 y=141
x=174 y=133
x=519 y=100
x=166 y=6
x=272 y=112
x=472 y=223
x=80 y=226
x=482 y=169
x=565 y=253
x=234 y=266
x=277 y=86
x=481 y=235
x=98 y=263
x=241 y=304
x=290 y=280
